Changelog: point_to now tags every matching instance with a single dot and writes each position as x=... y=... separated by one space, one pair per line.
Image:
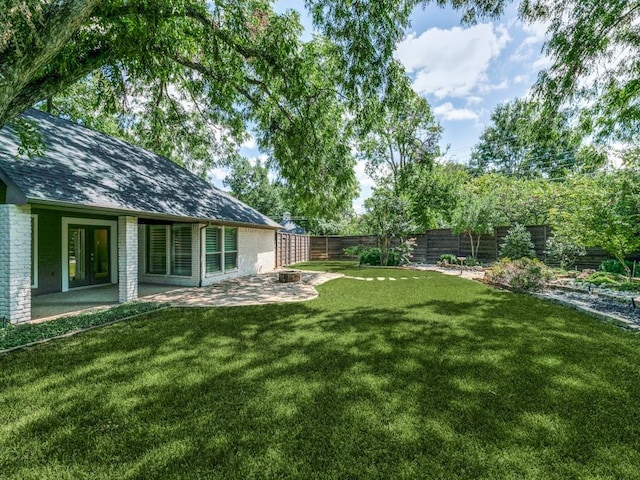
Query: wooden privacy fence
x=291 y=248
x=433 y=243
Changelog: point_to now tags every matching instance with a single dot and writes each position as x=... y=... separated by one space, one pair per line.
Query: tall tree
x=526 y=141
x=595 y=49
x=404 y=134
x=239 y=62
x=250 y=183
x=602 y=211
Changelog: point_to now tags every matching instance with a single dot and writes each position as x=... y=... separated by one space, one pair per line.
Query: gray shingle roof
x=84 y=167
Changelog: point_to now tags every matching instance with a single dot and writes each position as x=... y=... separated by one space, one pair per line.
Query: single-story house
x=95 y=210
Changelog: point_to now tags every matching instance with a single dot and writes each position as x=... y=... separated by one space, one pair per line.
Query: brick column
x=127 y=259
x=15 y=262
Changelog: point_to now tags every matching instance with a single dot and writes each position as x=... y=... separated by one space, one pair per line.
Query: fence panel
x=291 y=248
x=433 y=243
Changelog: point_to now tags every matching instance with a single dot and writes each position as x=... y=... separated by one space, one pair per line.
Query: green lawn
x=428 y=377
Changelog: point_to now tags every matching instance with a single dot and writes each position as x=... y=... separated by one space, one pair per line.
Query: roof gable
x=84 y=167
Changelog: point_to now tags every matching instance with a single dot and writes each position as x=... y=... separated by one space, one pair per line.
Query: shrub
x=524 y=274
x=369 y=256
x=405 y=251
x=564 y=251
x=354 y=251
x=517 y=244
x=614 y=266
x=449 y=258
x=471 y=261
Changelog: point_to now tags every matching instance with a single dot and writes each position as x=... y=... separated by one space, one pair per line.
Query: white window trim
x=34 y=249
x=203 y=249
x=223 y=267
x=113 y=237
x=168 y=253
x=224 y=263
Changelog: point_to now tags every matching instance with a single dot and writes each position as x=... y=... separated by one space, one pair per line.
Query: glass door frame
x=90 y=256
x=113 y=247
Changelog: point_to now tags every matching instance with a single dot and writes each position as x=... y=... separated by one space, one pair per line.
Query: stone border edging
x=601 y=316
x=82 y=330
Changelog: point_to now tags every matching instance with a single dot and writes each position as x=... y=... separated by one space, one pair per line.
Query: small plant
x=471 y=261
x=449 y=258
x=564 y=251
x=524 y=274
x=517 y=244
x=405 y=251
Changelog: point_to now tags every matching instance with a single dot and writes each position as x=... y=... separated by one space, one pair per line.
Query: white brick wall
x=256 y=254
x=127 y=259
x=15 y=262
x=256 y=250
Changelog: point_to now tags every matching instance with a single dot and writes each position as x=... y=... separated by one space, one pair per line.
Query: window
x=230 y=248
x=34 y=251
x=213 y=243
x=181 y=249
x=157 y=249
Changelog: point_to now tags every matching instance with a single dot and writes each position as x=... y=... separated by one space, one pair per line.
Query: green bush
x=517 y=244
x=450 y=258
x=16 y=335
x=354 y=251
x=471 y=261
x=614 y=266
x=563 y=250
x=524 y=274
x=369 y=256
x=372 y=256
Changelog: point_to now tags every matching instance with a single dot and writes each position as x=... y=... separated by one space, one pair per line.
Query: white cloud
x=361 y=175
x=487 y=87
x=474 y=100
x=448 y=112
x=218 y=174
x=454 y=62
x=521 y=79
x=250 y=142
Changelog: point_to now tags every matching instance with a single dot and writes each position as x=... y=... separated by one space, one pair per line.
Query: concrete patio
x=253 y=290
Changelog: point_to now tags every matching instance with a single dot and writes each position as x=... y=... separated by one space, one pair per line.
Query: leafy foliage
x=388 y=216
x=602 y=211
x=525 y=141
x=564 y=250
x=517 y=244
x=594 y=47
x=17 y=335
x=474 y=216
x=523 y=275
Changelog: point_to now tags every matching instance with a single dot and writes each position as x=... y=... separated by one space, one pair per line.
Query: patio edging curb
x=601 y=316
x=82 y=330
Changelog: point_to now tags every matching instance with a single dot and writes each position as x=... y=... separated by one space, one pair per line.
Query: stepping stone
x=404 y=278
x=392 y=279
x=369 y=279
x=381 y=278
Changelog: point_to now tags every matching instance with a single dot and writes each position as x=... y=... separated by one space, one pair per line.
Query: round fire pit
x=289 y=276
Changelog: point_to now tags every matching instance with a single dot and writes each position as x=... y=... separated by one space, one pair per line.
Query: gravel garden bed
x=614 y=304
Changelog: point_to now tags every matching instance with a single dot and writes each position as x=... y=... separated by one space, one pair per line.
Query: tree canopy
x=185 y=76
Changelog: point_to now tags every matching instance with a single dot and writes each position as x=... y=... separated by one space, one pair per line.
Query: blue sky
x=463 y=71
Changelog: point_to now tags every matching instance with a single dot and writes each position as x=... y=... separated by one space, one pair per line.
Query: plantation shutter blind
x=230 y=248
x=212 y=250
x=157 y=249
x=181 y=250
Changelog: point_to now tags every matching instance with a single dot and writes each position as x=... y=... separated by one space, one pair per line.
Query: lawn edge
x=81 y=330
x=590 y=312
